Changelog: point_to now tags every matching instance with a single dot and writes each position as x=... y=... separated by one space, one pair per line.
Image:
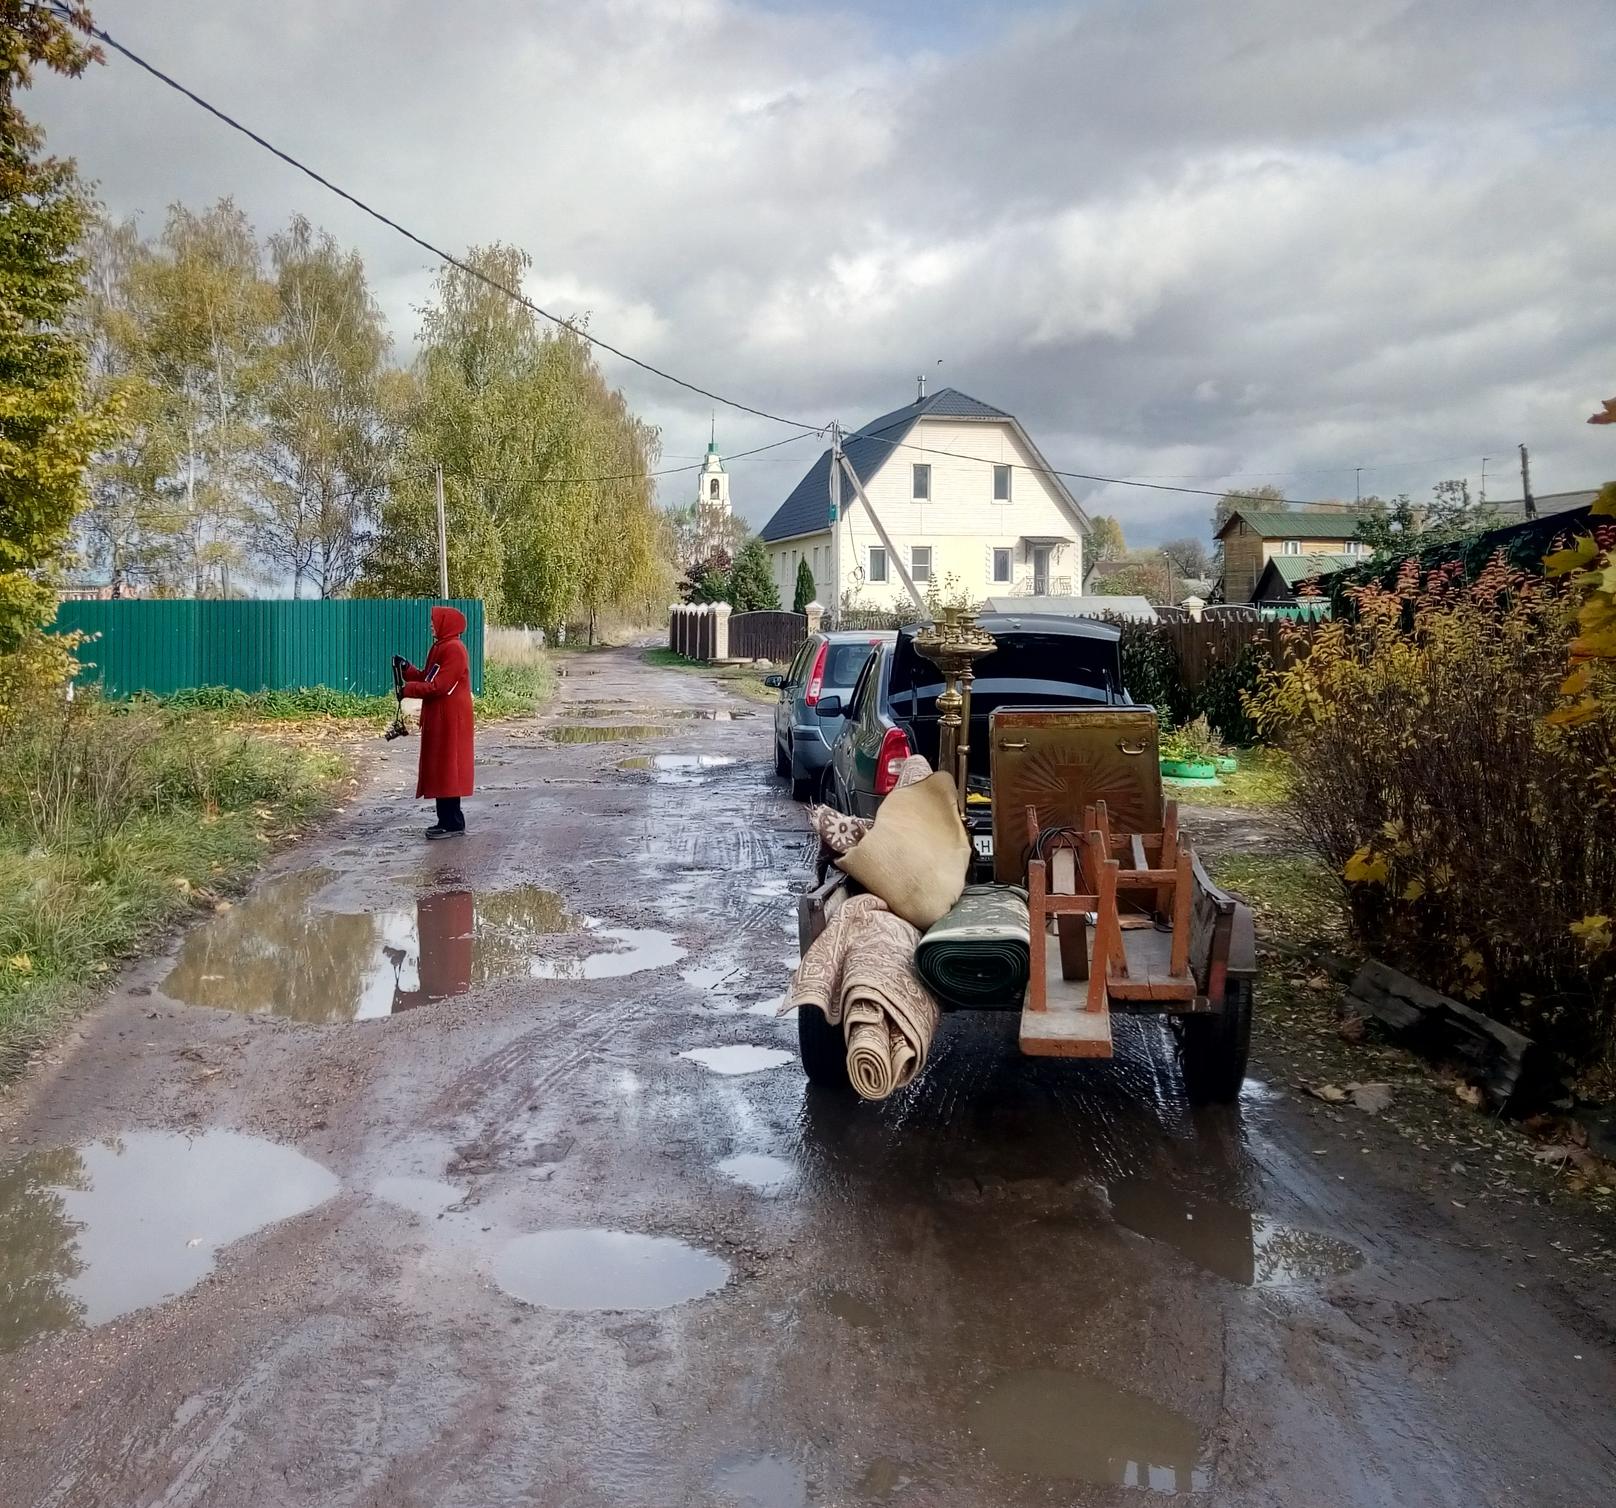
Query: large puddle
x=606 y=1269
x=279 y=953
x=1061 y=1424
x=588 y=710
x=1231 y=1242
x=91 y=1232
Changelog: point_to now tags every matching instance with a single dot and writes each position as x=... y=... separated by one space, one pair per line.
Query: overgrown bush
x=1152 y=675
x=1472 y=837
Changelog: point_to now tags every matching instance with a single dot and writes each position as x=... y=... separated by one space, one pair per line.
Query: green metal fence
x=348 y=644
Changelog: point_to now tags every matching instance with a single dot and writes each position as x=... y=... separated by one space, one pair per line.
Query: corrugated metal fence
x=347 y=644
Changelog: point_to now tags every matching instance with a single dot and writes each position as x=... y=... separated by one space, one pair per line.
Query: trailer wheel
x=823 y=1049
x=1213 y=1048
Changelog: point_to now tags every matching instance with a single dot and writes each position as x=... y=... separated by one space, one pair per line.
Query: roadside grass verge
x=1294 y=897
x=510 y=689
x=743 y=680
x=116 y=820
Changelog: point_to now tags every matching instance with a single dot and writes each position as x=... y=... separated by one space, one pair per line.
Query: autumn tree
x=209 y=315
x=1189 y=555
x=324 y=459
x=1105 y=538
x=49 y=426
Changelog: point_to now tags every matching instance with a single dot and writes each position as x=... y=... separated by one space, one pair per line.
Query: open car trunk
x=1057 y=663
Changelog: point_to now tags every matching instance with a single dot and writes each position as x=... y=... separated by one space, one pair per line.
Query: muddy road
x=481 y=1173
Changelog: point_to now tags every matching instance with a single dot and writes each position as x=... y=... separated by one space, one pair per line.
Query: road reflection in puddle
x=88 y=1233
x=1231 y=1242
x=278 y=953
x=743 y=1058
x=1061 y=1424
x=606 y=1269
x=756 y=1171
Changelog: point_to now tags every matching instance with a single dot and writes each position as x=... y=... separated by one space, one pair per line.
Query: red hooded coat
x=444 y=686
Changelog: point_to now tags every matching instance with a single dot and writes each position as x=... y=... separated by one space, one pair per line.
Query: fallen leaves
x=1369 y=1098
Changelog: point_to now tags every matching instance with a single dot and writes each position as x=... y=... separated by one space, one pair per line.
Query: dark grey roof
x=807 y=510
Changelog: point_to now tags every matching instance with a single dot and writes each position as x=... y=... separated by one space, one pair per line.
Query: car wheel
x=802 y=786
x=822 y=1048
x=782 y=760
x=1214 y=1048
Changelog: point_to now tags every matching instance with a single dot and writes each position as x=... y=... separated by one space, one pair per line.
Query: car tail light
x=894 y=750
x=816 y=677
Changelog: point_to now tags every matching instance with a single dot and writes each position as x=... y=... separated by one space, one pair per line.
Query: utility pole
x=1357 y=482
x=834 y=606
x=1528 y=503
x=1484 y=461
x=443 y=539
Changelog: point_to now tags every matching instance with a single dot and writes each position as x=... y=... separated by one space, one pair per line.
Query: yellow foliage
x=1365 y=867
x=1574 y=558
x=1594 y=932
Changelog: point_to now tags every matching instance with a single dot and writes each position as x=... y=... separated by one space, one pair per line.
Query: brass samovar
x=953 y=643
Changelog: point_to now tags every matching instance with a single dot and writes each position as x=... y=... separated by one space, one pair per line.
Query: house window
x=1001 y=565
x=922 y=481
x=1293 y=547
x=1001 y=484
x=919 y=563
x=878 y=563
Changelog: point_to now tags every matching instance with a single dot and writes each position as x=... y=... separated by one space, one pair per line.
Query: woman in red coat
x=444 y=686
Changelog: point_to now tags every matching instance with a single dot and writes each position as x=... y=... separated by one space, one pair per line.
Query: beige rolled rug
x=861 y=974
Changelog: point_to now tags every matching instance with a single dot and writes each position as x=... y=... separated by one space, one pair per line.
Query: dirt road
x=512 y=1194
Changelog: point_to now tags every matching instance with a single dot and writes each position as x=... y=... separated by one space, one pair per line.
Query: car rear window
x=844 y=662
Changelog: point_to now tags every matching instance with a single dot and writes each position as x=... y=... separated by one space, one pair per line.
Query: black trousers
x=450 y=817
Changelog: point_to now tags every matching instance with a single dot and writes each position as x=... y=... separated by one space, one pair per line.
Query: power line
x=466 y=267
x=640 y=476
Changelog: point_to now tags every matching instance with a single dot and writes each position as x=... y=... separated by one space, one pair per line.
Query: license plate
x=984 y=844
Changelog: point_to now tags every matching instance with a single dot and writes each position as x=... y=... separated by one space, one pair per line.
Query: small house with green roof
x=1251 y=537
x=1277 y=585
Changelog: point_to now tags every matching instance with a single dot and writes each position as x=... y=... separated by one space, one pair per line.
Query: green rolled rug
x=976 y=956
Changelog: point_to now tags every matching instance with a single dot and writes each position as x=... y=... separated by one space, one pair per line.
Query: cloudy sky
x=1202 y=244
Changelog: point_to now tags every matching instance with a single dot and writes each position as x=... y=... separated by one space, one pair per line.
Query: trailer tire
x=1214 y=1048
x=823 y=1049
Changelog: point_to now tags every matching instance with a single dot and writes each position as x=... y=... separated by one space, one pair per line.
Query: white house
x=961 y=491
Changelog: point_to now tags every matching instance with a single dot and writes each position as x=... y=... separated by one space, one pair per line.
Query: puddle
x=429 y=1197
x=603 y=733
x=606 y=1269
x=1232 y=1243
x=279 y=953
x=1060 y=1424
x=742 y=1059
x=760 y=1482
x=677 y=769
x=637 y=950
x=883 y=1477
x=762 y=1174
x=91 y=1232
x=852 y=1311
x=769 y=1008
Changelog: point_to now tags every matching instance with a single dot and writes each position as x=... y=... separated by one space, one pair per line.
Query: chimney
x=921 y=379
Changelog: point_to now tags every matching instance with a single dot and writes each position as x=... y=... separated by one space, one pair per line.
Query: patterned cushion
x=837 y=831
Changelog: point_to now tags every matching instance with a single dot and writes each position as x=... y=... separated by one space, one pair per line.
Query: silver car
x=808 y=716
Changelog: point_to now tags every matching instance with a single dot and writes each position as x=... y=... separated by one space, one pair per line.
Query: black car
x=891 y=712
x=808 y=717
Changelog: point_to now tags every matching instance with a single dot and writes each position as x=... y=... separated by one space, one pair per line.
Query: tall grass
x=115 y=819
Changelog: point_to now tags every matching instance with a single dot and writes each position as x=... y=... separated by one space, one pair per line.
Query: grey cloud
x=1272 y=236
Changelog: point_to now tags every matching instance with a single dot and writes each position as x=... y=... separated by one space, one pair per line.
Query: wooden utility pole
x=1484 y=461
x=443 y=539
x=1528 y=503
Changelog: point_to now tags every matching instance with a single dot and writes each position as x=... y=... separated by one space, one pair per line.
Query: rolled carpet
x=860 y=973
x=976 y=956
